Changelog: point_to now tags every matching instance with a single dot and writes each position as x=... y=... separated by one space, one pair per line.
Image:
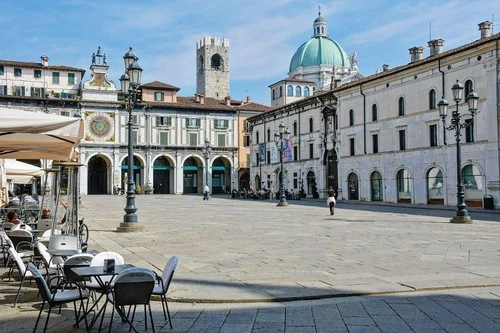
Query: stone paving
x=249 y=266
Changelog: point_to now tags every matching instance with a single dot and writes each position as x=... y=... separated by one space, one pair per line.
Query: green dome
x=319 y=50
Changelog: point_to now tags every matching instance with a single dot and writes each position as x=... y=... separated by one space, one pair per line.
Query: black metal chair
x=163 y=283
x=132 y=287
x=57 y=297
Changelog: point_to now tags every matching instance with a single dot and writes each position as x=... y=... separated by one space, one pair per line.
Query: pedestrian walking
x=205 y=192
x=330 y=201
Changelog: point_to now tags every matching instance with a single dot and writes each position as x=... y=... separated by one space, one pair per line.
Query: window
x=193 y=139
x=433 y=136
x=257 y=140
x=295 y=153
x=135 y=120
x=289 y=91
x=468 y=88
x=311 y=150
x=193 y=122
x=18 y=91
x=134 y=137
x=375 y=143
x=402 y=140
x=246 y=140
x=163 y=121
x=281 y=92
x=71 y=79
x=163 y=138
x=294 y=128
x=268 y=157
x=469 y=130
x=37 y=73
x=159 y=96
x=351 y=117
x=401 y=106
x=221 y=140
x=351 y=146
x=37 y=92
x=221 y=123
x=18 y=72
x=55 y=77
x=3 y=90
x=298 y=91
x=306 y=91
x=2 y=70
x=65 y=113
x=274 y=94
x=432 y=99
x=268 y=134
x=374 y=112
x=311 y=127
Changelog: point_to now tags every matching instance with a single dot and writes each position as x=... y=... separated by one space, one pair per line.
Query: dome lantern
x=319 y=26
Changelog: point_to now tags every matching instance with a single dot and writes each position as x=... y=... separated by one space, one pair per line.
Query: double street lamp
x=280 y=138
x=462 y=216
x=207 y=148
x=130 y=82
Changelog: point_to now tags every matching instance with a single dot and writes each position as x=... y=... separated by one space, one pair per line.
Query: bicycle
x=83 y=231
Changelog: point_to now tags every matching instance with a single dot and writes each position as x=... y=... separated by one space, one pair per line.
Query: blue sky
x=263 y=35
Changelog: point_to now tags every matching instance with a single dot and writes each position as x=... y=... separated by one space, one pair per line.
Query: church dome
x=319 y=50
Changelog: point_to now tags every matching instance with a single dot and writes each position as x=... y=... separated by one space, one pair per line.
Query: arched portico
x=98 y=178
x=163 y=175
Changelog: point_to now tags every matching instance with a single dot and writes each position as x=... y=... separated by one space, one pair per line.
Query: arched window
x=306 y=91
x=298 y=91
x=468 y=88
x=289 y=91
x=216 y=62
x=401 y=106
x=257 y=137
x=432 y=99
x=351 y=117
x=374 y=112
x=473 y=183
x=268 y=134
x=311 y=127
x=404 y=184
x=294 y=128
x=376 y=186
x=201 y=65
x=435 y=186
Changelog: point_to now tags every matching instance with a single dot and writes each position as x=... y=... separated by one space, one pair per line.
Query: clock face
x=100 y=126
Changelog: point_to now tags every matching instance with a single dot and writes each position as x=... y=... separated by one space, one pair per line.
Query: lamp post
x=280 y=137
x=462 y=216
x=130 y=82
x=207 y=148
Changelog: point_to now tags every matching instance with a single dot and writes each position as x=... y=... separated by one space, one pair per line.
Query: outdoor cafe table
x=98 y=272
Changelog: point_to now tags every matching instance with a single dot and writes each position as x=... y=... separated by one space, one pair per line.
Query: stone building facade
x=212 y=67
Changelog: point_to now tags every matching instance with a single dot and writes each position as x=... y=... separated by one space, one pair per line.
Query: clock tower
x=212 y=67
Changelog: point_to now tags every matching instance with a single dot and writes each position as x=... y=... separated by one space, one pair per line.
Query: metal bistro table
x=98 y=272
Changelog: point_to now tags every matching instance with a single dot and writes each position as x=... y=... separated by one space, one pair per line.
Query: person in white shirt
x=206 y=190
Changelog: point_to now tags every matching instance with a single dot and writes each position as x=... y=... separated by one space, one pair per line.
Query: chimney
x=227 y=99
x=435 y=46
x=202 y=99
x=45 y=60
x=196 y=98
x=485 y=28
x=385 y=68
x=416 y=53
x=249 y=100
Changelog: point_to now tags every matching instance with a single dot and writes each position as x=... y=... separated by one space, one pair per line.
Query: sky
x=263 y=35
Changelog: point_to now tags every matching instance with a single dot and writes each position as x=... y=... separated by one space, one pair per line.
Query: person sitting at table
x=12 y=218
x=45 y=213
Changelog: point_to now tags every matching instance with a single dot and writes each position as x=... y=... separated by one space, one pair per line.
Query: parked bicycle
x=83 y=231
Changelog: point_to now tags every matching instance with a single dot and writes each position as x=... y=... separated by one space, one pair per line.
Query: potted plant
x=138 y=189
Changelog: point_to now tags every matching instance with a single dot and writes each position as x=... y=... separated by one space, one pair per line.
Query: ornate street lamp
x=207 y=148
x=280 y=137
x=130 y=82
x=462 y=216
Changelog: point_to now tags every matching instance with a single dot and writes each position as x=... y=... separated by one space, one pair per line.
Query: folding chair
x=132 y=287
x=163 y=283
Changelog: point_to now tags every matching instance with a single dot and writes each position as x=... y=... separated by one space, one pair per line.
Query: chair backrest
x=18 y=261
x=77 y=260
x=43 y=252
x=44 y=224
x=7 y=226
x=134 y=286
x=20 y=227
x=168 y=272
x=98 y=260
x=21 y=238
x=43 y=288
